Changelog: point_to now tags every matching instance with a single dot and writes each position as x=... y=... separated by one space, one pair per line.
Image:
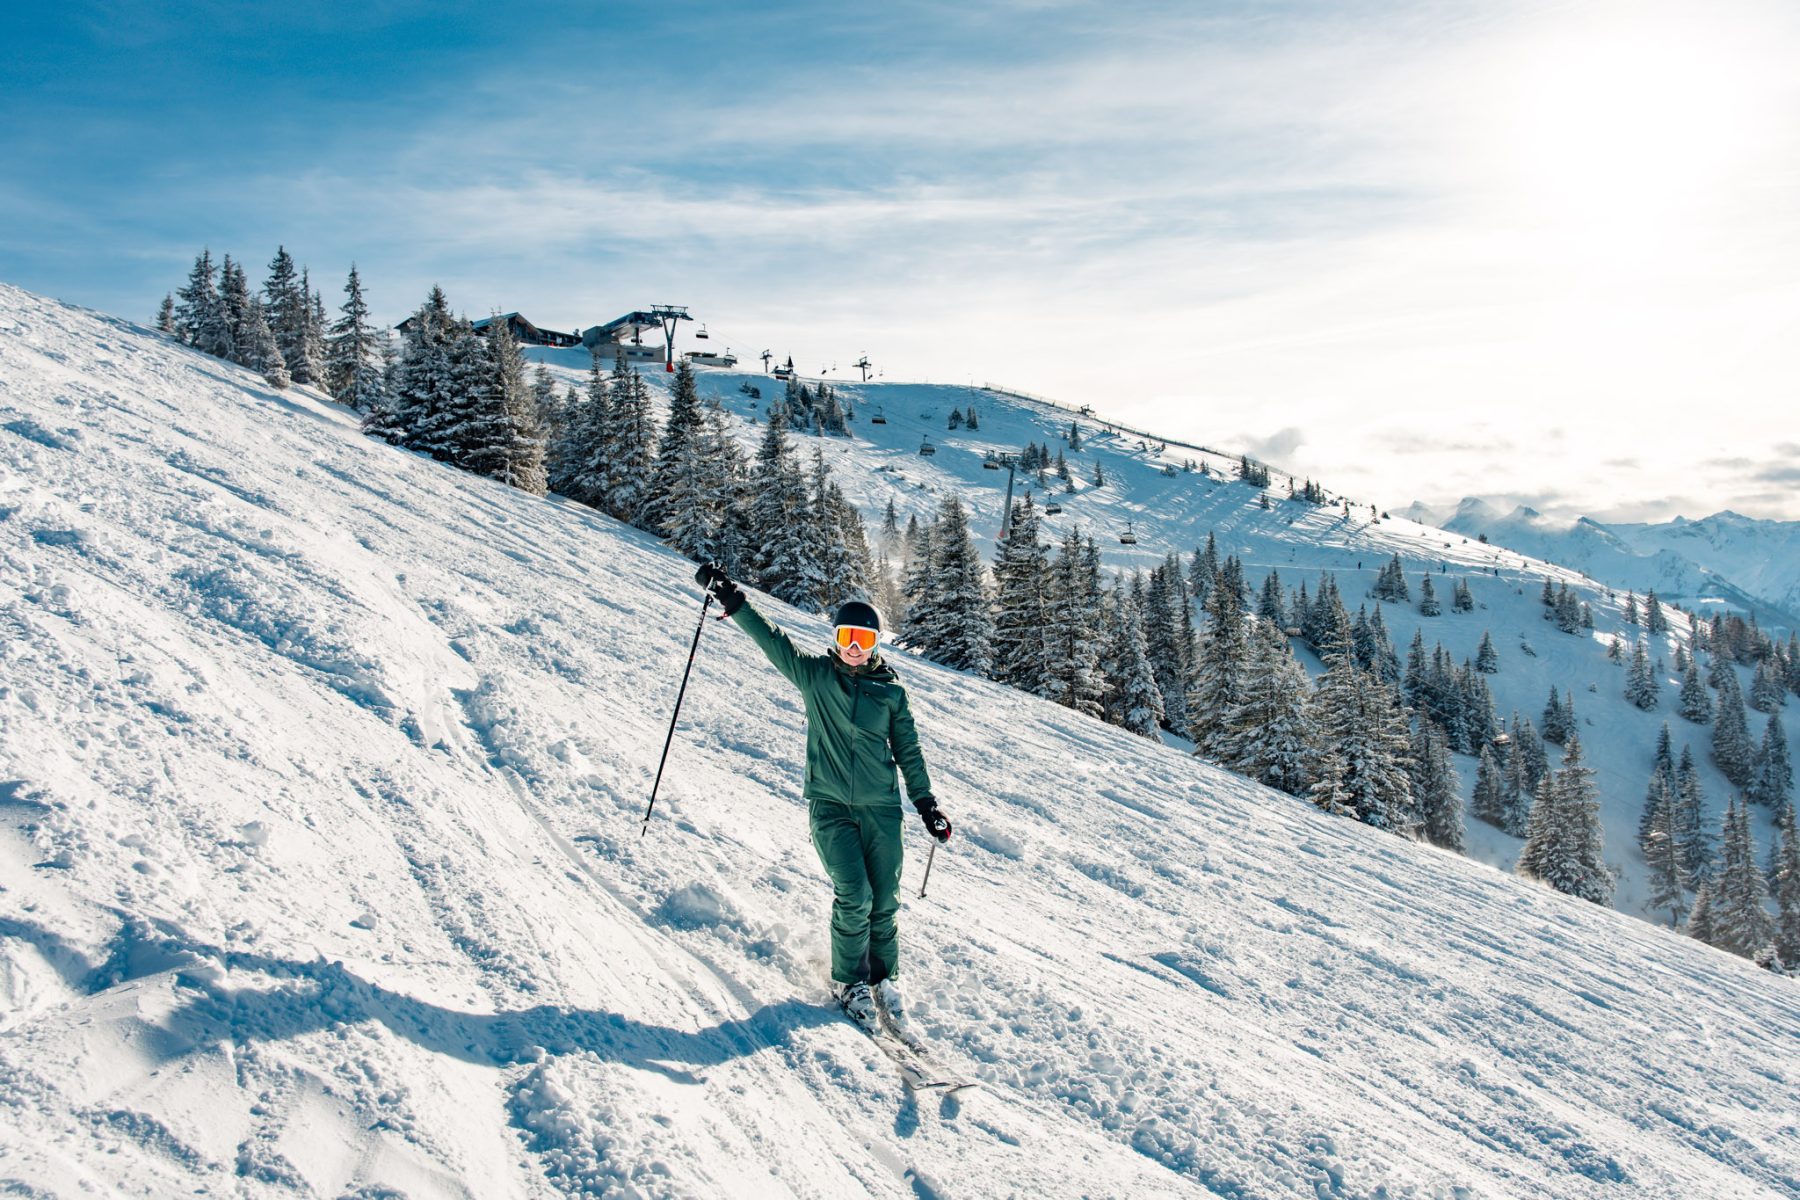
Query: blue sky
x=1541 y=252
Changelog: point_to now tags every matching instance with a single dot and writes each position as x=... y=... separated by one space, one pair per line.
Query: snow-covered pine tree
x=1640 y=681
x=288 y=309
x=1326 y=620
x=1487 y=659
x=1662 y=788
x=1526 y=766
x=253 y=342
x=1363 y=738
x=960 y=632
x=1489 y=800
x=678 y=508
x=1139 y=700
x=839 y=578
x=785 y=556
x=915 y=580
x=498 y=434
x=1656 y=621
x=1164 y=632
x=1074 y=445
x=1630 y=615
x=1695 y=704
x=418 y=386
x=1099 y=479
x=1220 y=673
x=1774 y=779
x=353 y=372
x=1692 y=840
x=1390 y=583
x=547 y=401
x=1740 y=920
x=1555 y=727
x=1768 y=689
x=890 y=527
x=1700 y=917
x=1203 y=575
x=165 y=314
x=1076 y=680
x=1022 y=604
x=234 y=305
x=1784 y=882
x=579 y=462
x=972 y=418
x=1386 y=664
x=1565 y=845
x=631 y=463
x=314 y=341
x=1733 y=752
x=1268 y=734
x=200 y=315
x=1437 y=803
x=1271 y=601
x=1662 y=854
x=1416 y=683
x=1461 y=598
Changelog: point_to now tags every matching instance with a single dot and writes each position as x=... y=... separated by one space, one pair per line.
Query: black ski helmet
x=859 y=614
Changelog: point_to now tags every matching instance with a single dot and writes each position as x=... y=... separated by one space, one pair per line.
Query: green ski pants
x=860 y=848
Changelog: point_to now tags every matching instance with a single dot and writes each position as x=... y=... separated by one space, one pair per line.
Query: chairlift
x=1128 y=537
x=700 y=334
x=990 y=463
x=880 y=418
x=1050 y=510
x=926 y=448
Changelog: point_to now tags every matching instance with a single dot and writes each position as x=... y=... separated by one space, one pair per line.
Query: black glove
x=712 y=577
x=936 y=823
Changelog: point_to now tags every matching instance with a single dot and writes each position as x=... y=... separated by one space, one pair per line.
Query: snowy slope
x=1174 y=513
x=1747 y=564
x=320 y=770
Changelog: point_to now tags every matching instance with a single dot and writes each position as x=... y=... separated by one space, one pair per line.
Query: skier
x=858 y=727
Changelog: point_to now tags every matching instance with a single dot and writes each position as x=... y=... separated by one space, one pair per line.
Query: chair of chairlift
x=878 y=419
x=990 y=464
x=1050 y=510
x=1128 y=537
x=701 y=333
x=927 y=449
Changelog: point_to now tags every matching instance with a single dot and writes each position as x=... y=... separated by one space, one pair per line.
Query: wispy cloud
x=1353 y=237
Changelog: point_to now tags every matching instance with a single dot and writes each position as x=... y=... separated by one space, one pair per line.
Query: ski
x=918 y=1070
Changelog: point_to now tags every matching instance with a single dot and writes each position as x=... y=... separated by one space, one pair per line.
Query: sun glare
x=1633 y=124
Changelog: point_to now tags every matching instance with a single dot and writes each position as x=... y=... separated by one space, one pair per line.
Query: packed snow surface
x=321 y=770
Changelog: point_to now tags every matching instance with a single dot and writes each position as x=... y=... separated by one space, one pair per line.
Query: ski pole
x=704 y=605
x=929 y=859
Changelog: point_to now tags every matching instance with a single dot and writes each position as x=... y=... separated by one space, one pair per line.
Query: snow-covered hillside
x=320 y=773
x=1175 y=512
x=1727 y=558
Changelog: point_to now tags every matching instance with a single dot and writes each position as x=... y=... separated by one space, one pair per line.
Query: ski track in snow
x=321 y=770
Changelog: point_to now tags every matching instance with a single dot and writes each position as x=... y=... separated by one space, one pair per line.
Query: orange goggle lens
x=852 y=635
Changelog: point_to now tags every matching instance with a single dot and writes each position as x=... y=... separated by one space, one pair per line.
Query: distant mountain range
x=1726 y=558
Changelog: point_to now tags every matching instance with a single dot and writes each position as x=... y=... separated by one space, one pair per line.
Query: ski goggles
x=856 y=635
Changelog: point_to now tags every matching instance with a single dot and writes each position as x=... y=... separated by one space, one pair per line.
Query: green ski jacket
x=858 y=724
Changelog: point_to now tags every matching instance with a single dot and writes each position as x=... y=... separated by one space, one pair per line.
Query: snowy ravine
x=320 y=774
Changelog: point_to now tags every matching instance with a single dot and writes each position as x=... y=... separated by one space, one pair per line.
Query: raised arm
x=788 y=659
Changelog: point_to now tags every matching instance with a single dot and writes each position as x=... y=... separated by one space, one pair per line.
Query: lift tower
x=862 y=364
x=669 y=314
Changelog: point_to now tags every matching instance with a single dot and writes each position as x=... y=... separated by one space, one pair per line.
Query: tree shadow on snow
x=308 y=997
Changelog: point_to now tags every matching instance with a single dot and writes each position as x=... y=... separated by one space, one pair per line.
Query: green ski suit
x=858 y=727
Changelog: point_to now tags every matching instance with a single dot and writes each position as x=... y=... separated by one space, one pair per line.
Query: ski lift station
x=625 y=336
